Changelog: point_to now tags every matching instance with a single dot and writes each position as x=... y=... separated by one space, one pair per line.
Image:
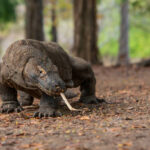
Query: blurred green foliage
x=63 y=11
x=141 y=6
x=139 y=14
x=98 y=2
x=139 y=31
x=7 y=11
x=138 y=42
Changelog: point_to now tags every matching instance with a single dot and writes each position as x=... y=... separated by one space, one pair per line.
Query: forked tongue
x=67 y=103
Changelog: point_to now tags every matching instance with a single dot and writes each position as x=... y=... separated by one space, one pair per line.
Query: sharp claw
x=1 y=110
x=40 y=115
x=91 y=100
x=21 y=109
x=58 y=113
x=9 y=108
x=45 y=115
x=9 y=111
x=53 y=115
x=97 y=102
x=101 y=100
x=18 y=110
x=49 y=115
x=36 y=114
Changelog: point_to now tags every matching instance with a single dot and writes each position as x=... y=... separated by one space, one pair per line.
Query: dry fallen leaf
x=138 y=126
x=125 y=144
x=84 y=118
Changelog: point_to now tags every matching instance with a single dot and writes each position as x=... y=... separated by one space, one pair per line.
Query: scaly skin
x=42 y=70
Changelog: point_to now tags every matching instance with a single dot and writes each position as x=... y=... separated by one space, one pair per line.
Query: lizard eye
x=41 y=71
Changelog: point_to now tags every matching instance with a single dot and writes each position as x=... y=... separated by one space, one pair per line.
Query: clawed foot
x=10 y=107
x=47 y=112
x=91 y=100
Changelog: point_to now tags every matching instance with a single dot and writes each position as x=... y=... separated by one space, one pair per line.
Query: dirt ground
x=122 y=124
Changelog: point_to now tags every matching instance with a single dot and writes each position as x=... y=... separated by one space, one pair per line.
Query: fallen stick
x=67 y=103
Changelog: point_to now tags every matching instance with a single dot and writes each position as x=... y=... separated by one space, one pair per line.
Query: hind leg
x=25 y=99
x=87 y=89
x=9 y=100
x=83 y=76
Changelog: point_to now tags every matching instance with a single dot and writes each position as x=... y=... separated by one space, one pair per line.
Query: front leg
x=48 y=107
x=87 y=88
x=9 y=100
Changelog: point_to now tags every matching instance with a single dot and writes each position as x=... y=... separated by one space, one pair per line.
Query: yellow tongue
x=67 y=103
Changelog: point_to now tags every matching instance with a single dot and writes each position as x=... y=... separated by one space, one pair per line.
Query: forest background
x=108 y=17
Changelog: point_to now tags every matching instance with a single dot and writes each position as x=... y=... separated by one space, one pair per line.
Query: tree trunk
x=123 y=56
x=54 y=21
x=85 y=30
x=34 y=20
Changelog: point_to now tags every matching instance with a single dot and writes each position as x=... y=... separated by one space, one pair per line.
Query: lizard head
x=44 y=74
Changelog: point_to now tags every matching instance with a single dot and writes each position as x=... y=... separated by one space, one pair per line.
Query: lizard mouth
x=57 y=93
x=52 y=90
x=54 y=93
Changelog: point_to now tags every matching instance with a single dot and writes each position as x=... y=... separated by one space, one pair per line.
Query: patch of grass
x=139 y=43
x=110 y=49
x=139 y=40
